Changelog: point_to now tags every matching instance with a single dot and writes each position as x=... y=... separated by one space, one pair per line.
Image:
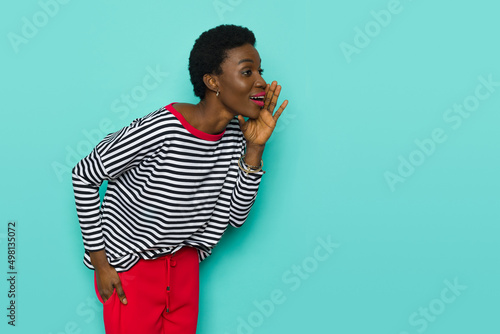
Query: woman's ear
x=211 y=82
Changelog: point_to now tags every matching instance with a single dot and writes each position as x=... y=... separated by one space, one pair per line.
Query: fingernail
x=124 y=301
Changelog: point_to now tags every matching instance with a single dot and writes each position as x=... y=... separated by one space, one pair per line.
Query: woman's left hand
x=258 y=131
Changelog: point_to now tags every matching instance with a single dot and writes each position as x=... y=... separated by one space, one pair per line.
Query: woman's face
x=241 y=85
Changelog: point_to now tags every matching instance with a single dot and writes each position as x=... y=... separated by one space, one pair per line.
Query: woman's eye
x=249 y=72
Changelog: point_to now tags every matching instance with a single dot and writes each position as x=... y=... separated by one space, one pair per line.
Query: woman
x=176 y=178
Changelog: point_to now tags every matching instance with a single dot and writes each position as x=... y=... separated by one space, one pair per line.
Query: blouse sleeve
x=243 y=196
x=114 y=155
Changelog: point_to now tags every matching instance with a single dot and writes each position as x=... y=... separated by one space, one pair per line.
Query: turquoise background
x=349 y=121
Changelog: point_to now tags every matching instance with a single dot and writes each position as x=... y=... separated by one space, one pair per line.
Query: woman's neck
x=208 y=115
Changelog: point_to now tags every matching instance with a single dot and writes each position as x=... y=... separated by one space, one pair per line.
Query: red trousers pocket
x=162 y=297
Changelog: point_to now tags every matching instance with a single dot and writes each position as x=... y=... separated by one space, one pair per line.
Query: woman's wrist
x=253 y=156
x=99 y=259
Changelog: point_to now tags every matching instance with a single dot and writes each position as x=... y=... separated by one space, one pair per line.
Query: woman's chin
x=250 y=114
x=253 y=116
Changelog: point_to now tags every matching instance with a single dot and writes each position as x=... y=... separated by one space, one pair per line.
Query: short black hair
x=210 y=50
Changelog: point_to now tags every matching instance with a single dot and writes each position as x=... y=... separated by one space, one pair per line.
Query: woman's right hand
x=106 y=276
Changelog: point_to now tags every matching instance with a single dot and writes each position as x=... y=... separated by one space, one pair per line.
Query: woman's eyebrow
x=245 y=60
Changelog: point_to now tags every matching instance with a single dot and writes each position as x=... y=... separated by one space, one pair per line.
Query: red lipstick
x=258 y=99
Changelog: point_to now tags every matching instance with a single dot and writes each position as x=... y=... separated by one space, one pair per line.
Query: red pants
x=162 y=297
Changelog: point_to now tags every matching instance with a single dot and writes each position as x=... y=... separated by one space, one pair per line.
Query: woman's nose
x=260 y=82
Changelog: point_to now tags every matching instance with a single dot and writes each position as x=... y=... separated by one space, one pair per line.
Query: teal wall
x=379 y=212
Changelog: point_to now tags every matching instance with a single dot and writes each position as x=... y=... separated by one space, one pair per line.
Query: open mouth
x=258 y=99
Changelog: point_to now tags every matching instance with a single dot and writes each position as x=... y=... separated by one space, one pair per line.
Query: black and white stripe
x=167 y=188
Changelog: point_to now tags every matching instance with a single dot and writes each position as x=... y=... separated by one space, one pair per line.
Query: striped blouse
x=169 y=185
